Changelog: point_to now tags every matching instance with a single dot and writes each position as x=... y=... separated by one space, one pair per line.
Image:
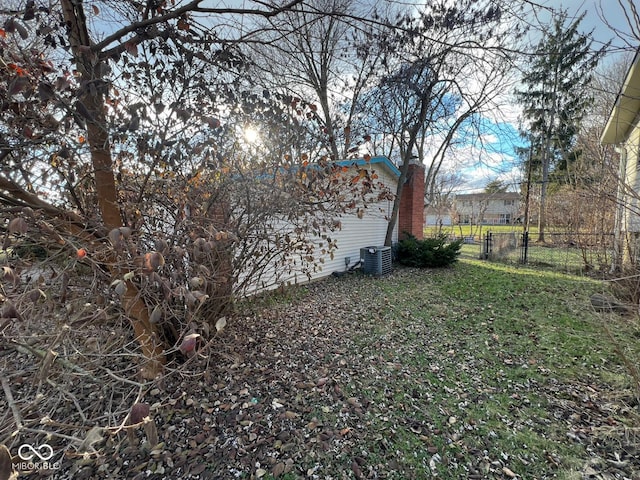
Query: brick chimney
x=411 y=213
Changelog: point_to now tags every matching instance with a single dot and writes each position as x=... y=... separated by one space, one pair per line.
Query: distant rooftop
x=484 y=196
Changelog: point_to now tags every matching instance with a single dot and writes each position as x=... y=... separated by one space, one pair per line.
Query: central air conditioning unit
x=376 y=260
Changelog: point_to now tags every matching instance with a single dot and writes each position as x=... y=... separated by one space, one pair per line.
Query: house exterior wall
x=629 y=234
x=632 y=179
x=354 y=233
x=436 y=219
x=371 y=229
x=623 y=132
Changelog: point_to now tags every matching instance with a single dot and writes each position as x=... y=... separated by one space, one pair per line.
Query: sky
x=497 y=155
x=598 y=14
x=495 y=150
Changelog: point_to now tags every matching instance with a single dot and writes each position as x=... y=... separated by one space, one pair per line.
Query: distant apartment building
x=487 y=208
x=438 y=216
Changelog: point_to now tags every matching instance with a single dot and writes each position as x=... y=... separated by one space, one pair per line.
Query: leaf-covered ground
x=475 y=371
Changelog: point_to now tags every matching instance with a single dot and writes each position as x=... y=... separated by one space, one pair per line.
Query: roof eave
x=384 y=161
x=626 y=108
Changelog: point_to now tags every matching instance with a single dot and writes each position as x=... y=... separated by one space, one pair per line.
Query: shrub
x=428 y=253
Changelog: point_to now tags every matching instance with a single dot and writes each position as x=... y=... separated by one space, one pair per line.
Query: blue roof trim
x=357 y=162
x=361 y=162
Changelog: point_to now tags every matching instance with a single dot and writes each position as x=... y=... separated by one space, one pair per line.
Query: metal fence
x=577 y=253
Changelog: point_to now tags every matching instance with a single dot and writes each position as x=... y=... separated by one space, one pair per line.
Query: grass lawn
x=490 y=360
x=478 y=371
x=477 y=230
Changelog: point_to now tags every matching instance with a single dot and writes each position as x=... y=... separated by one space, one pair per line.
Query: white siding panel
x=355 y=233
x=434 y=220
x=633 y=180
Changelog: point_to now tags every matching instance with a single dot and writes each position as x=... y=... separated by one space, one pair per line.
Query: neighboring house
x=487 y=208
x=623 y=131
x=358 y=231
x=437 y=217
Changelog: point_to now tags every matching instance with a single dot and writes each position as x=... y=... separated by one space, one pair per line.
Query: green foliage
x=556 y=97
x=428 y=253
x=495 y=186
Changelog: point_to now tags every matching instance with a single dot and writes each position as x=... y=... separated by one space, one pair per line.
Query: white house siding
x=632 y=147
x=491 y=208
x=354 y=234
x=433 y=219
x=623 y=131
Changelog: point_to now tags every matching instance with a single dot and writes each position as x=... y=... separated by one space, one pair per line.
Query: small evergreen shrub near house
x=428 y=253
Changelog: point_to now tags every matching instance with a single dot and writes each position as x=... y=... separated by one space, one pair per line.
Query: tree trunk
x=528 y=195
x=546 y=160
x=90 y=106
x=542 y=210
x=388 y=239
x=404 y=168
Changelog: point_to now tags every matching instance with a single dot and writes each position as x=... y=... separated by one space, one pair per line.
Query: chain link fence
x=570 y=252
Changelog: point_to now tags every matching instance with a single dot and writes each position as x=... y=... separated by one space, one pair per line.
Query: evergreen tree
x=556 y=97
x=495 y=186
